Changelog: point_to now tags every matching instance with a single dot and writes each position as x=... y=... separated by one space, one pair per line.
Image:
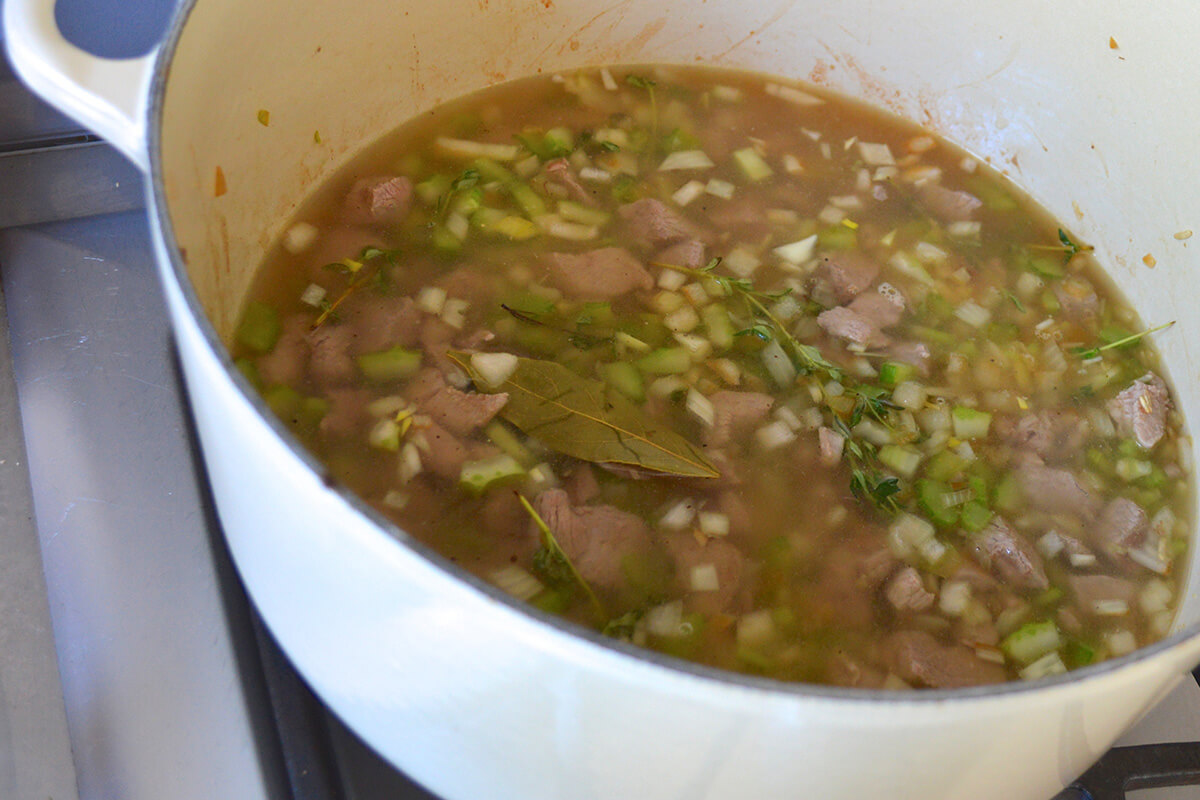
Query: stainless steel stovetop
x=131 y=664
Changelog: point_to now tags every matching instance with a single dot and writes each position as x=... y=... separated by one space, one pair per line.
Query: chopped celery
x=934 y=336
x=431 y=191
x=530 y=303
x=515 y=228
x=894 y=372
x=991 y=194
x=259 y=329
x=1048 y=268
x=1008 y=496
x=665 y=361
x=974 y=516
x=578 y=212
x=468 y=202
x=485 y=218
x=529 y=200
x=837 y=237
x=679 y=139
x=945 y=466
x=970 y=423
x=931 y=496
x=393 y=364
x=490 y=170
x=902 y=460
x=249 y=371
x=479 y=476
x=1079 y=654
x=1031 y=641
x=625 y=378
x=718 y=326
x=752 y=165
x=508 y=443
x=552 y=601
x=282 y=400
x=1050 y=302
x=444 y=241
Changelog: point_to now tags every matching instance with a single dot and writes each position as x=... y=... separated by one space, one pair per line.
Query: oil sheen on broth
x=739 y=371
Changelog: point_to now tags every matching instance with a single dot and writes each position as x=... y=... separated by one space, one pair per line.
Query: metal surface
x=158 y=673
x=35 y=751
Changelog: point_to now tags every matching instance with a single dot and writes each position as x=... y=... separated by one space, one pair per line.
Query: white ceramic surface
x=471 y=695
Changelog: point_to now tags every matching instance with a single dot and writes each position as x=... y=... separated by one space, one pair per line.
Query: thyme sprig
x=362 y=269
x=552 y=563
x=868 y=481
x=1087 y=353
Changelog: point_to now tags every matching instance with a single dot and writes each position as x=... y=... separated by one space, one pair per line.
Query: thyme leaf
x=1087 y=353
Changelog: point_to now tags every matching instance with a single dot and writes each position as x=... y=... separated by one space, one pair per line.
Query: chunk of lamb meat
x=1093 y=592
x=688 y=253
x=1122 y=527
x=1052 y=435
x=948 y=205
x=915 y=354
x=330 y=363
x=602 y=274
x=347 y=414
x=1009 y=556
x=382 y=199
x=559 y=170
x=848 y=274
x=456 y=411
x=1140 y=410
x=920 y=659
x=734 y=414
x=594 y=538
x=841 y=670
x=580 y=484
x=852 y=326
x=444 y=454
x=287 y=362
x=381 y=322
x=883 y=310
x=655 y=224
x=1055 y=491
x=906 y=592
x=689 y=554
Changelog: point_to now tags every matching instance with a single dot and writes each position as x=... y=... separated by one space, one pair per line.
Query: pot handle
x=108 y=96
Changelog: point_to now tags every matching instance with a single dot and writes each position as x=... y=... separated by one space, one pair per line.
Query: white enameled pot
x=1092 y=105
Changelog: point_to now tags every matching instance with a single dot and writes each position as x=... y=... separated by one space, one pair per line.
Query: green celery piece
x=1032 y=641
x=837 y=237
x=478 y=477
x=929 y=500
x=718 y=325
x=394 y=364
x=516 y=228
x=249 y=371
x=665 y=361
x=751 y=165
x=282 y=400
x=625 y=378
x=945 y=466
x=444 y=241
x=260 y=327
x=974 y=516
x=1007 y=495
x=892 y=373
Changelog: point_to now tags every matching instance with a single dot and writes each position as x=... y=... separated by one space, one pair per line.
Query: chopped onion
x=1050 y=544
x=454 y=312
x=965 y=229
x=595 y=175
x=1120 y=642
x=431 y=299
x=876 y=155
x=516 y=582
x=831 y=215
x=774 y=435
x=313 y=295
x=910 y=395
x=682 y=320
x=686 y=159
x=778 y=365
x=300 y=237
x=1155 y=596
x=973 y=314
x=671 y=280
x=458 y=225
x=928 y=253
x=1047 y=665
x=720 y=188
x=792 y=165
x=756 y=629
x=665 y=620
x=713 y=523
x=698 y=347
x=410 y=462
x=687 y=193
x=793 y=95
x=494 y=368
x=554 y=225
x=679 y=516
x=1111 y=608
x=742 y=262
x=395 y=499
x=701 y=408
x=462 y=148
x=796 y=253
x=704 y=578
x=607 y=80
x=954 y=597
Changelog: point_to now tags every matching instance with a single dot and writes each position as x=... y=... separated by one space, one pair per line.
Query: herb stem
x=556 y=552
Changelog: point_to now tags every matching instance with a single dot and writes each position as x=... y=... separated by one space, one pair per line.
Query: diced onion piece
x=697 y=347
x=954 y=597
x=554 y=225
x=778 y=365
x=410 y=462
x=665 y=620
x=788 y=417
x=431 y=299
x=465 y=149
x=928 y=253
x=874 y=432
x=666 y=386
x=595 y=175
x=300 y=237
x=494 y=368
x=686 y=159
x=679 y=516
x=876 y=154
x=727 y=94
x=704 y=578
x=682 y=320
x=458 y=225
x=695 y=294
x=1120 y=643
x=1047 y=665
x=901 y=460
x=541 y=477
x=629 y=344
x=973 y=314
x=1111 y=608
x=516 y=582
x=793 y=95
x=701 y=408
x=727 y=369
x=1050 y=544
x=752 y=165
x=908 y=265
x=1155 y=596
x=617 y=136
x=395 y=499
x=714 y=523
x=1081 y=560
x=688 y=192
x=385 y=435
x=831 y=215
x=454 y=312
x=910 y=395
x=671 y=280
x=607 y=80
x=798 y=252
x=1130 y=469
x=846 y=202
x=792 y=165
x=313 y=295
x=965 y=229
x=756 y=629
x=720 y=188
x=742 y=262
x=774 y=435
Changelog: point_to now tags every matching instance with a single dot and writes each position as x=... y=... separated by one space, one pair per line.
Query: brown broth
x=1029 y=530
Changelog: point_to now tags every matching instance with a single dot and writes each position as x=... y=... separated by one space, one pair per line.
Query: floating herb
x=1016 y=301
x=362 y=269
x=1086 y=353
x=552 y=563
x=588 y=420
x=577 y=338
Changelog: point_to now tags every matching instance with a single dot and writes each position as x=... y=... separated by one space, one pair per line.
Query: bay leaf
x=588 y=420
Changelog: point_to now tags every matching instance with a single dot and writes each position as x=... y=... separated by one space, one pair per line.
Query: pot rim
x=158 y=210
